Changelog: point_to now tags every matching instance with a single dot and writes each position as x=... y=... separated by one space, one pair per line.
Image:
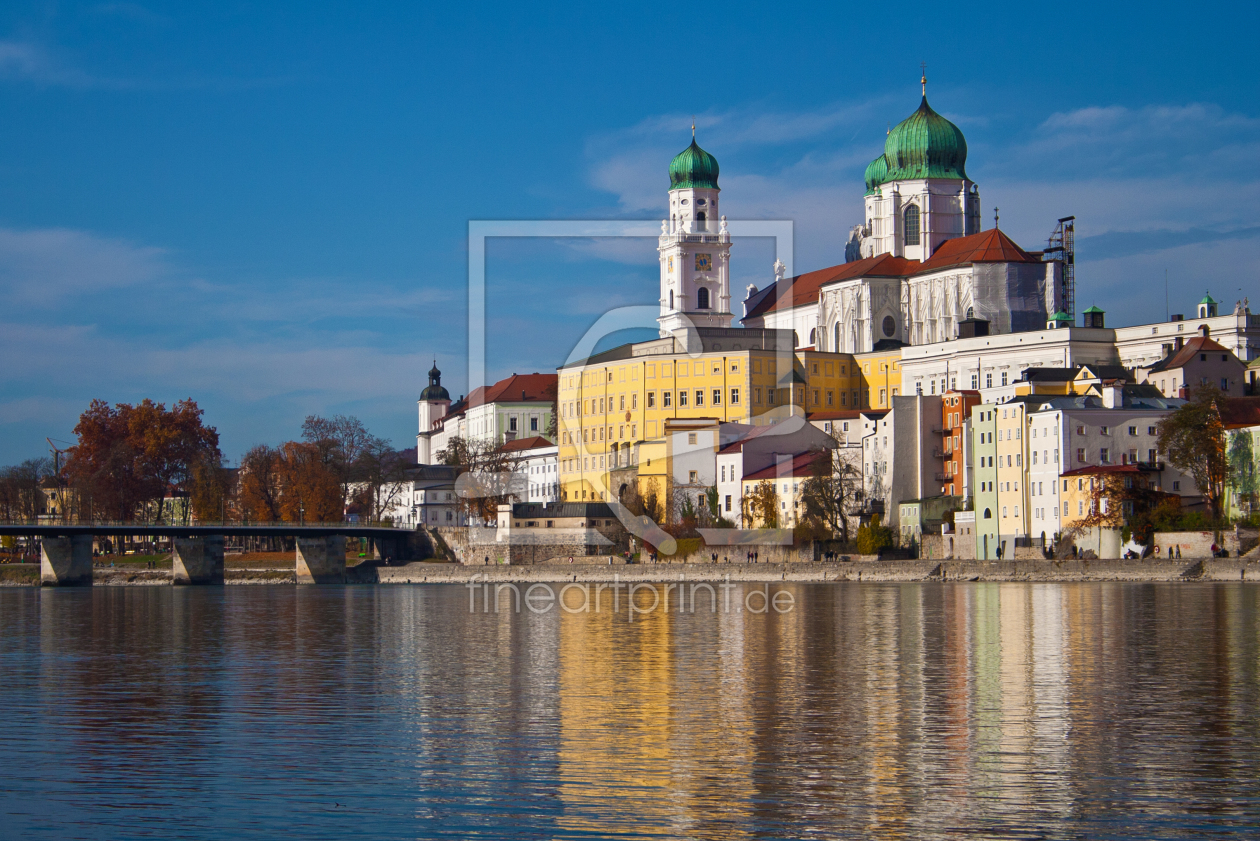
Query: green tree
x=1243 y=480
x=873 y=536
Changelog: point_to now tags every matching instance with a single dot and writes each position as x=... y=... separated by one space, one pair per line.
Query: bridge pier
x=197 y=560
x=321 y=560
x=66 y=561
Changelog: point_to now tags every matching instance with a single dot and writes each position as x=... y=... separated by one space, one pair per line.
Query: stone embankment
x=1222 y=569
x=1226 y=569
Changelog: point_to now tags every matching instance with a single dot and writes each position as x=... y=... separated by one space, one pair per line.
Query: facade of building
x=519 y=406
x=537 y=469
x=1199 y=361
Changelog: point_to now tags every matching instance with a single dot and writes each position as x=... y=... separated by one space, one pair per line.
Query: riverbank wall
x=1188 y=570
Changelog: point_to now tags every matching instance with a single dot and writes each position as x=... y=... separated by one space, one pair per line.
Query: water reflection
x=890 y=711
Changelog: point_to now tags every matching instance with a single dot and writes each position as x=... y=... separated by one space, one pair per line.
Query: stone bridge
x=197 y=551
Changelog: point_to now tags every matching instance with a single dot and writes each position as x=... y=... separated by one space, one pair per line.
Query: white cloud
x=44 y=267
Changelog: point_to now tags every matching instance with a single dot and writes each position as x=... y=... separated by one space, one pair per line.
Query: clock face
x=704 y=262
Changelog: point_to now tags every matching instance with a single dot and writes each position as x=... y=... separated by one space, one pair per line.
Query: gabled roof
x=804 y=288
x=802 y=465
x=1194 y=345
x=991 y=246
x=533 y=443
x=518 y=388
x=738 y=446
x=1239 y=412
x=840 y=414
x=1095 y=469
x=1103 y=372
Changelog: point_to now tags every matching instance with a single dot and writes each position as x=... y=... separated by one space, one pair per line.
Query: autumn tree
x=380 y=471
x=761 y=506
x=258 y=484
x=1193 y=438
x=128 y=457
x=341 y=442
x=309 y=488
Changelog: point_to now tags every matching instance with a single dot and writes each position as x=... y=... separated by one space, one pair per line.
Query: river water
x=858 y=711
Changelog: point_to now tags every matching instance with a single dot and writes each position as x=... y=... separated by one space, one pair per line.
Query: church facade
x=921 y=263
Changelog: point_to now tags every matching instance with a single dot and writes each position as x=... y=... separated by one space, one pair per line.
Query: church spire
x=923 y=78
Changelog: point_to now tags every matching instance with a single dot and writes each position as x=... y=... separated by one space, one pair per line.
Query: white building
x=760 y=448
x=519 y=406
x=537 y=469
x=695 y=248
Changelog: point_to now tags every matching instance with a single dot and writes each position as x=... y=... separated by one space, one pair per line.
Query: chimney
x=1205 y=331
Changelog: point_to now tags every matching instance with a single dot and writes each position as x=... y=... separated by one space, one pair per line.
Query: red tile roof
x=526 y=444
x=518 y=388
x=802 y=466
x=840 y=414
x=1095 y=469
x=804 y=288
x=1239 y=412
x=991 y=246
x=1197 y=344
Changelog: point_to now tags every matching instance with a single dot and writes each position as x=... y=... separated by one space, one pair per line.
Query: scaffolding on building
x=1062 y=247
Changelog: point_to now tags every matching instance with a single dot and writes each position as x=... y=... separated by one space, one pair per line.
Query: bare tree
x=340 y=441
x=488 y=478
x=831 y=493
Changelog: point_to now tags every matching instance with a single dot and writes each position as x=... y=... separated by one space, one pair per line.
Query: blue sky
x=265 y=206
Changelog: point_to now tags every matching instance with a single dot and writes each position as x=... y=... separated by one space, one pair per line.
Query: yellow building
x=879 y=377
x=613 y=402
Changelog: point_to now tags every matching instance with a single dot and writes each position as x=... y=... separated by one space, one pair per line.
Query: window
x=533 y=424
x=728 y=502
x=1133 y=430
x=1080 y=454
x=717 y=397
x=988 y=381
x=1104 y=455
x=831 y=398
x=665 y=399
x=1224 y=384
x=1151 y=456
x=1177 y=486
x=770 y=396
x=634 y=401
x=651 y=400
x=1150 y=430
x=1003 y=378
x=912 y=224
x=699 y=397
x=691 y=437
x=693 y=476
x=734 y=396
x=1065 y=509
x=671 y=299
x=512 y=424
x=702 y=298
x=724 y=473
x=1105 y=430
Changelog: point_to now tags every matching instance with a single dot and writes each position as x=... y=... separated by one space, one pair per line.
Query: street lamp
x=301 y=513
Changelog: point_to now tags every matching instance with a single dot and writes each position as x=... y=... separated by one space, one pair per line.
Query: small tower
x=1207 y=307
x=1093 y=317
x=434 y=403
x=1058 y=321
x=694 y=247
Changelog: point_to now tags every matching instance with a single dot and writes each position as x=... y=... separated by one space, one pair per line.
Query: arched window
x=671 y=299
x=796 y=340
x=836 y=347
x=988 y=515
x=813 y=337
x=700 y=219
x=702 y=299
x=912 y=224
x=971 y=312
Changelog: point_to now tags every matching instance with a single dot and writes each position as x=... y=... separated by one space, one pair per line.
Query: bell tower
x=694 y=245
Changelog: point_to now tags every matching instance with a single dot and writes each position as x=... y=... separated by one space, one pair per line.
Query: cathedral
x=919 y=265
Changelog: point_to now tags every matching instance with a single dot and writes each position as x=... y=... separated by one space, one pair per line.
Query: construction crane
x=1063 y=243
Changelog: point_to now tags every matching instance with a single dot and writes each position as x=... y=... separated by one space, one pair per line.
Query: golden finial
x=693 y=126
x=923 y=78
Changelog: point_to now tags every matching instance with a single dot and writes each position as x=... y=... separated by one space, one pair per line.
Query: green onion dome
x=876 y=174
x=925 y=145
x=693 y=167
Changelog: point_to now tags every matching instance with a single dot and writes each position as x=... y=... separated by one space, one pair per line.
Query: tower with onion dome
x=694 y=246
x=918 y=194
x=434 y=403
